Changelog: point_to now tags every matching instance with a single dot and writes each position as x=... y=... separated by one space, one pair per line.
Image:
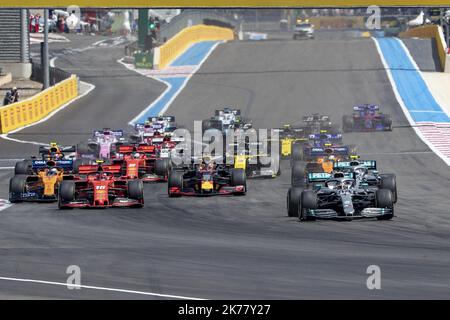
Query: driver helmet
x=211 y=166
x=347 y=184
x=136 y=155
x=103 y=176
x=52 y=172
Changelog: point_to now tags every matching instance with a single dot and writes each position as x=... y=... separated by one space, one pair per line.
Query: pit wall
x=170 y=50
x=432 y=31
x=36 y=108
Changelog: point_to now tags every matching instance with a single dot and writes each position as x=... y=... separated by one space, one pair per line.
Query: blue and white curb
x=175 y=77
x=425 y=115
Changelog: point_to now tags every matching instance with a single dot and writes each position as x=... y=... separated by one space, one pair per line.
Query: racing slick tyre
x=66 y=193
x=162 y=167
x=88 y=148
x=385 y=199
x=308 y=200
x=293 y=201
x=347 y=123
x=22 y=167
x=388 y=181
x=297 y=152
x=175 y=181
x=206 y=124
x=298 y=173
x=17 y=184
x=387 y=122
x=238 y=178
x=136 y=191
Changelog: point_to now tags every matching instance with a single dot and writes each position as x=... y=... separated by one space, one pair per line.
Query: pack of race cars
x=328 y=180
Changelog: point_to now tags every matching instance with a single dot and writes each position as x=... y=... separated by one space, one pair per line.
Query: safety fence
x=23 y=113
x=182 y=40
x=55 y=74
x=434 y=32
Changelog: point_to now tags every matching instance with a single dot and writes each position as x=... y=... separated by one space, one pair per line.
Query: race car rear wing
x=315 y=118
x=47 y=149
x=323 y=176
x=63 y=164
x=87 y=169
x=329 y=151
x=162 y=118
x=145 y=149
x=366 y=107
x=369 y=164
x=325 y=136
x=116 y=133
x=126 y=149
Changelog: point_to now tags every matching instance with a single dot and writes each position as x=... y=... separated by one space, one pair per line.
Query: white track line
x=6 y=168
x=169 y=86
x=5 y=136
x=403 y=106
x=170 y=296
x=4 y=204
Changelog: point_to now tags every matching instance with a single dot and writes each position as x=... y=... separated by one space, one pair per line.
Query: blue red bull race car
x=367 y=118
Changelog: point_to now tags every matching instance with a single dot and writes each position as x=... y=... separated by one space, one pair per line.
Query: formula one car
x=316 y=124
x=102 y=144
x=315 y=149
x=366 y=117
x=288 y=135
x=253 y=161
x=162 y=124
x=226 y=119
x=206 y=180
x=303 y=29
x=99 y=187
x=52 y=152
x=340 y=196
x=143 y=162
x=41 y=185
x=366 y=171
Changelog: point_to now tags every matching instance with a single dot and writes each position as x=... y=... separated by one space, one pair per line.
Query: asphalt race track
x=238 y=247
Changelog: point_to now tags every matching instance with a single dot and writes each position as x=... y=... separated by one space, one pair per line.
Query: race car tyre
x=308 y=200
x=162 y=167
x=293 y=201
x=347 y=123
x=388 y=181
x=22 y=167
x=88 y=148
x=67 y=190
x=387 y=122
x=175 y=181
x=385 y=199
x=297 y=152
x=206 y=124
x=135 y=189
x=17 y=184
x=238 y=177
x=298 y=173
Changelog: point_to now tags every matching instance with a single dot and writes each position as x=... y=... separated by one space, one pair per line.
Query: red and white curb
x=438 y=134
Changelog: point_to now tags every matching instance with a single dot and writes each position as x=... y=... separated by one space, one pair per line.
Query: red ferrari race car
x=143 y=162
x=98 y=186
